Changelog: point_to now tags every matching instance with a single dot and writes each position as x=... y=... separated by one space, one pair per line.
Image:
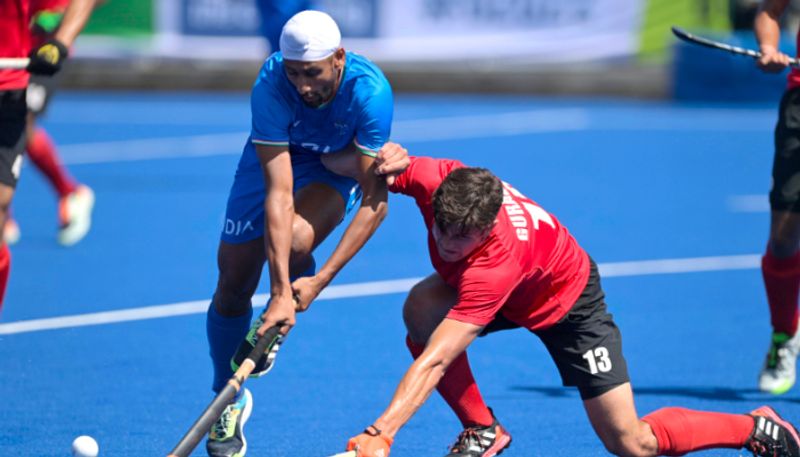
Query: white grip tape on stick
x=14 y=63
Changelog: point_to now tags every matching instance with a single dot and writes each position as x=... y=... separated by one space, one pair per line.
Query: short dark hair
x=468 y=199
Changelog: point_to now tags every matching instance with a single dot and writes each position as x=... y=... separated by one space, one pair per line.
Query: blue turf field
x=634 y=181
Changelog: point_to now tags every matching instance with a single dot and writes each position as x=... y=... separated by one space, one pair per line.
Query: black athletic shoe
x=226 y=437
x=266 y=361
x=481 y=441
x=772 y=436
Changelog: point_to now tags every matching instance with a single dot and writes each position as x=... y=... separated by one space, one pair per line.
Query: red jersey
x=530 y=268
x=38 y=35
x=15 y=17
x=54 y=5
x=794 y=74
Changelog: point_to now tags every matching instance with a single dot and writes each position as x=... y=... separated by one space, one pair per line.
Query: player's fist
x=772 y=60
x=306 y=290
x=392 y=159
x=370 y=444
x=48 y=58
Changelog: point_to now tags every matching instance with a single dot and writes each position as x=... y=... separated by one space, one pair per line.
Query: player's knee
x=627 y=445
x=415 y=317
x=302 y=239
x=783 y=246
x=234 y=293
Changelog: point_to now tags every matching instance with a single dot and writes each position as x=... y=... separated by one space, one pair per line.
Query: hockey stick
x=224 y=397
x=691 y=38
x=14 y=64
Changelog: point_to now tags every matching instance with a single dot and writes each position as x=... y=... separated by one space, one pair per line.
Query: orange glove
x=370 y=443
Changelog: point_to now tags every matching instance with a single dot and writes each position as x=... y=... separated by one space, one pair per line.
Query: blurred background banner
x=610 y=47
x=219 y=17
x=534 y=30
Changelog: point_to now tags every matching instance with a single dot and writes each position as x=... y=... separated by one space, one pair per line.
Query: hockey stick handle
x=224 y=397
x=692 y=38
x=7 y=63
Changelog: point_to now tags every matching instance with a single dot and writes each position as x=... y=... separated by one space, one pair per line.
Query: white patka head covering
x=310 y=36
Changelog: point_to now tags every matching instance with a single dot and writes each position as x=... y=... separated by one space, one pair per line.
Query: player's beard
x=315 y=99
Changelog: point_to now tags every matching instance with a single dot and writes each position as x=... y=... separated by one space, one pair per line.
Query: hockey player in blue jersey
x=321 y=119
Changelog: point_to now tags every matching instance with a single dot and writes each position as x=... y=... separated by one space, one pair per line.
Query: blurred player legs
x=75 y=200
x=274 y=14
x=780 y=265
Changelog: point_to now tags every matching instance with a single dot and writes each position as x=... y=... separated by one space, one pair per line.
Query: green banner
x=123 y=18
x=661 y=15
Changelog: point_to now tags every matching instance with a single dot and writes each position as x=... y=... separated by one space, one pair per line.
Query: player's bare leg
x=75 y=200
x=679 y=431
x=426 y=306
x=781 y=271
x=6 y=194
x=614 y=419
x=318 y=210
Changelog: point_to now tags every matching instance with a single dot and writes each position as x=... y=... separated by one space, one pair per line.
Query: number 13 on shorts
x=598 y=360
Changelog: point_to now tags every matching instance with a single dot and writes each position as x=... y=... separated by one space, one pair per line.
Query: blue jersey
x=361 y=110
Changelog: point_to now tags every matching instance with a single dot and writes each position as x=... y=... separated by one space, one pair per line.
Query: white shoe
x=780 y=368
x=11 y=232
x=75 y=215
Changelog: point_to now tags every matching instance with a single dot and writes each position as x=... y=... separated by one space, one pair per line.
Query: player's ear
x=339 y=57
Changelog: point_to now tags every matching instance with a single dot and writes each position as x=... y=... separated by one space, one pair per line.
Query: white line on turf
x=365 y=289
x=420 y=130
x=441 y=128
x=757 y=203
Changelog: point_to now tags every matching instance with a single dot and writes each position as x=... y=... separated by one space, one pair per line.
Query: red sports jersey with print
x=52 y=5
x=530 y=269
x=38 y=37
x=794 y=74
x=15 y=41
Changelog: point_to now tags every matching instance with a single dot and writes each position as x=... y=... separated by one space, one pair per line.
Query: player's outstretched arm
x=276 y=166
x=448 y=341
x=75 y=17
x=48 y=58
x=369 y=216
x=768 y=32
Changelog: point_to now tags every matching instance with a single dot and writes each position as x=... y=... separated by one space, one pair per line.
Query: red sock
x=5 y=267
x=459 y=390
x=782 y=282
x=680 y=430
x=42 y=152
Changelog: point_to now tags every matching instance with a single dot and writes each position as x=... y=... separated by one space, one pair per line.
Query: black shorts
x=785 y=192
x=13 y=110
x=585 y=345
x=40 y=91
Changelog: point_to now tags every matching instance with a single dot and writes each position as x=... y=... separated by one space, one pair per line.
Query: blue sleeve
x=271 y=114
x=375 y=124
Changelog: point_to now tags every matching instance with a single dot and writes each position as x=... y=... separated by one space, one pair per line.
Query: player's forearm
x=767 y=26
x=279 y=213
x=412 y=392
x=75 y=17
x=367 y=219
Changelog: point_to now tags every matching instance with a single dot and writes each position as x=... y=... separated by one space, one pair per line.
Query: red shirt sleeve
x=422 y=177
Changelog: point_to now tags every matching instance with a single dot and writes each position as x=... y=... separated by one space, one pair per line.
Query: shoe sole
x=248 y=408
x=770 y=413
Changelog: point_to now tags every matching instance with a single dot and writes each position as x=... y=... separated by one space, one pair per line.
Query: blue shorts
x=244 y=215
